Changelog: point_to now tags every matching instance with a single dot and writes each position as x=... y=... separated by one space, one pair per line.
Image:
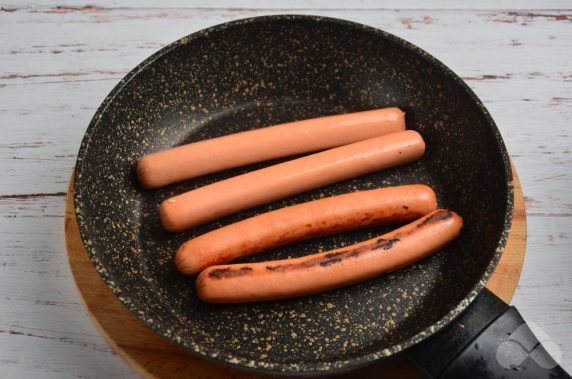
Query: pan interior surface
x=264 y=71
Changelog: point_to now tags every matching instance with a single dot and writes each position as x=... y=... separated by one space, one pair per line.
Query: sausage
x=289 y=178
x=205 y=157
x=273 y=280
x=303 y=221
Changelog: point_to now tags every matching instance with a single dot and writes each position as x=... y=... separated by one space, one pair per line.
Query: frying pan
x=261 y=71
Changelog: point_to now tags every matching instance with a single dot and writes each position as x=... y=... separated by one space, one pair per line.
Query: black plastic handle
x=489 y=340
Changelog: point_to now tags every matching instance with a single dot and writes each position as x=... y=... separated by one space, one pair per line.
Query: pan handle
x=489 y=340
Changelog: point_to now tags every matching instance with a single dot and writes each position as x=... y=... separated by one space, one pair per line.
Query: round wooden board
x=154 y=357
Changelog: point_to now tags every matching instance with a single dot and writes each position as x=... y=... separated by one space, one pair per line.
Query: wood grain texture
x=153 y=357
x=58 y=60
x=73 y=6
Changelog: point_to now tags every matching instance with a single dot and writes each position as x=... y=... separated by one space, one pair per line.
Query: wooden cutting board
x=154 y=357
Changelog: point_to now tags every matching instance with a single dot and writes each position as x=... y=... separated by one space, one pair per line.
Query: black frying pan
x=262 y=71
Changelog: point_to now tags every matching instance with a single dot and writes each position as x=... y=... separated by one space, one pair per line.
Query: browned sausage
x=320 y=272
x=302 y=221
x=289 y=178
x=205 y=157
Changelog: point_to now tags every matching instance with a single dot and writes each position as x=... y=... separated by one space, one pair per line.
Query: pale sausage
x=303 y=221
x=320 y=272
x=289 y=178
x=234 y=150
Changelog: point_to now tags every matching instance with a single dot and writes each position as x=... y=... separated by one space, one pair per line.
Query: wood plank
x=76 y=6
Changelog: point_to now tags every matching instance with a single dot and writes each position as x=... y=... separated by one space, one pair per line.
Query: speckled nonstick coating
x=262 y=71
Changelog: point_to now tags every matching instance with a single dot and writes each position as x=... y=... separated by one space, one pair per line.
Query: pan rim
x=315 y=367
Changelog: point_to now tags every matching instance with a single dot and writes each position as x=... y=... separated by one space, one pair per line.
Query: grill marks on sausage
x=330 y=262
x=385 y=244
x=380 y=244
x=442 y=215
x=334 y=258
x=337 y=257
x=228 y=272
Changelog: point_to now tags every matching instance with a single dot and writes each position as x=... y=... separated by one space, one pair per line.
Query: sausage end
x=206 y=292
x=168 y=218
x=399 y=115
x=145 y=173
x=419 y=142
x=184 y=263
x=428 y=196
x=201 y=286
x=458 y=220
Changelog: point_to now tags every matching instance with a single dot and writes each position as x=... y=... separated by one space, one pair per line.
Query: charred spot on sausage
x=436 y=217
x=228 y=272
x=219 y=273
x=385 y=244
x=330 y=262
x=333 y=255
x=333 y=258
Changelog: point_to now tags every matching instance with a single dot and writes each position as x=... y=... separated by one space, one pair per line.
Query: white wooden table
x=58 y=62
